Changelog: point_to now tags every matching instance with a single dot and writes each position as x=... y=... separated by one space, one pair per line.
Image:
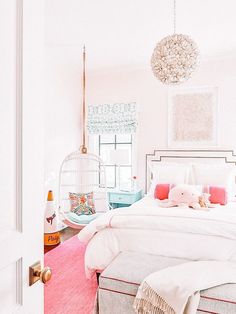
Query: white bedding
x=174 y=232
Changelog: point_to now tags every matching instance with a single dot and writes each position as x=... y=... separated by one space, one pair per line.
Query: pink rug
x=68 y=291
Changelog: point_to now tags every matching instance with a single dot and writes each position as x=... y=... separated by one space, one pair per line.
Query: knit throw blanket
x=176 y=289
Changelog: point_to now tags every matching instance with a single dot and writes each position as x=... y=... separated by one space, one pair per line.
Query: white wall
x=69 y=25
x=62 y=112
x=140 y=85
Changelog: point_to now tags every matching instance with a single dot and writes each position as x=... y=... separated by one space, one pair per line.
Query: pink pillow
x=218 y=194
x=162 y=191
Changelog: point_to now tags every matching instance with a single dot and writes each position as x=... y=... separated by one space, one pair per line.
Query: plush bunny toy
x=183 y=196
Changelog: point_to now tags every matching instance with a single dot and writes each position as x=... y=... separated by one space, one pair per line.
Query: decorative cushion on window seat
x=119 y=282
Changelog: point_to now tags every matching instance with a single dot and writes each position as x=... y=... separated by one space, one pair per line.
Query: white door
x=21 y=154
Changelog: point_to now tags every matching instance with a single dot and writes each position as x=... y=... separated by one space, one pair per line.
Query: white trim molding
x=19 y=100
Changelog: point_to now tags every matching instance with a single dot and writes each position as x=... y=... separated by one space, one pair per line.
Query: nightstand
x=123 y=198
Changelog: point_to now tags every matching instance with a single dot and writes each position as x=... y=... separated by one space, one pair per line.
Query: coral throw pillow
x=82 y=203
x=162 y=191
x=218 y=194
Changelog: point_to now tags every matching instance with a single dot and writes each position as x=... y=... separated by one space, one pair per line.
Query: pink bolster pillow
x=218 y=194
x=162 y=191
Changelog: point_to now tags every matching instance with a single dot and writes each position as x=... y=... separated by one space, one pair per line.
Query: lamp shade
x=120 y=157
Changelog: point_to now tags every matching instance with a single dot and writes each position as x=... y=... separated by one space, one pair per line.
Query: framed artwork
x=192 y=117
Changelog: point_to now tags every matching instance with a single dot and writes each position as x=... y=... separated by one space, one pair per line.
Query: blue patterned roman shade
x=112 y=118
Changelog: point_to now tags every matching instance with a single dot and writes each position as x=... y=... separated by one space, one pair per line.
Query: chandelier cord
x=174 y=16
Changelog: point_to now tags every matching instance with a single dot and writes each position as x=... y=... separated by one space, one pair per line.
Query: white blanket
x=176 y=290
x=219 y=221
x=173 y=232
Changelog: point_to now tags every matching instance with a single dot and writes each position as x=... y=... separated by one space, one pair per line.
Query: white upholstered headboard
x=183 y=156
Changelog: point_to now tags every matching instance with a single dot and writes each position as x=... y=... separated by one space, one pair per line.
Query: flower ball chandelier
x=175 y=57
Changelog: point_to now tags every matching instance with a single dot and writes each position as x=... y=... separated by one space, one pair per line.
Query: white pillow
x=216 y=174
x=172 y=173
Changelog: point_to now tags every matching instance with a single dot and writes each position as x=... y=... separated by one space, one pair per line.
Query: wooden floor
x=65 y=234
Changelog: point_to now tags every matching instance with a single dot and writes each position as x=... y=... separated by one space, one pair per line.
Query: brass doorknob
x=44 y=275
x=36 y=273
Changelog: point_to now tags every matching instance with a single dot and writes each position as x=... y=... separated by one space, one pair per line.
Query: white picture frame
x=192 y=117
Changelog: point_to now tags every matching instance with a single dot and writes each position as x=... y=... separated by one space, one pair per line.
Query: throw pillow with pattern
x=82 y=203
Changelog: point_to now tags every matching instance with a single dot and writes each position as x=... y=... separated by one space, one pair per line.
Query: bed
x=146 y=227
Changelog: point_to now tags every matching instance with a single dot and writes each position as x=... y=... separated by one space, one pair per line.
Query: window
x=118 y=173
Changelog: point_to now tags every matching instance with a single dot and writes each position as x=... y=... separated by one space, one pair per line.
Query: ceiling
x=124 y=32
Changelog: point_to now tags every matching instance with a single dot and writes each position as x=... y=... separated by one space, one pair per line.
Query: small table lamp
x=119 y=157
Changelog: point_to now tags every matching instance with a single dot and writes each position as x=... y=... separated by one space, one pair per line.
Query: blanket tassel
x=154 y=304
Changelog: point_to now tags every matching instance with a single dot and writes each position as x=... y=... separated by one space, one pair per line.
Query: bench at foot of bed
x=119 y=282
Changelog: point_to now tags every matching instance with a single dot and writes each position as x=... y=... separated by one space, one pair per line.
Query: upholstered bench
x=119 y=282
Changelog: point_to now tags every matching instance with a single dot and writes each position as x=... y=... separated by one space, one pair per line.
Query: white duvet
x=174 y=232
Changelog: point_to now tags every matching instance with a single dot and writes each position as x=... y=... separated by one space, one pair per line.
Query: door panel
x=8 y=115
x=10 y=288
x=21 y=156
